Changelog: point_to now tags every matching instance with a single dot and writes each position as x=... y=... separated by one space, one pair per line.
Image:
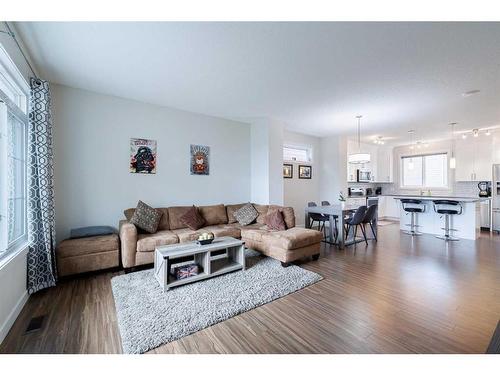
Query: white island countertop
x=465 y=225
x=433 y=197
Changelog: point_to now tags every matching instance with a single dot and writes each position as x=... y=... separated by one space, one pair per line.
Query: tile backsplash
x=460 y=189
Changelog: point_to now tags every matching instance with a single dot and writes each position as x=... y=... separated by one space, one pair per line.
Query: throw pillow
x=146 y=217
x=275 y=220
x=246 y=214
x=193 y=219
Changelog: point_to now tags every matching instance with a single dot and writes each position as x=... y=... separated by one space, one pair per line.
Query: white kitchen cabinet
x=391 y=208
x=384 y=170
x=351 y=172
x=381 y=206
x=474 y=159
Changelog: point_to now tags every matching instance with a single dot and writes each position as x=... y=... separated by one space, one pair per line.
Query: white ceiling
x=316 y=77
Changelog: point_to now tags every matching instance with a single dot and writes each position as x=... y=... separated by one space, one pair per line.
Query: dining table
x=339 y=212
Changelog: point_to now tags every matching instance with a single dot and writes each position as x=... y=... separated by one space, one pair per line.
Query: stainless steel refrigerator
x=495 y=197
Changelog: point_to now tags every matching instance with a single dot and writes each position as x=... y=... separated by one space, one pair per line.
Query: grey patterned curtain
x=41 y=219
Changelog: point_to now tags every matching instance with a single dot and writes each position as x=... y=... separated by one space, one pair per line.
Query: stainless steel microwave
x=364 y=176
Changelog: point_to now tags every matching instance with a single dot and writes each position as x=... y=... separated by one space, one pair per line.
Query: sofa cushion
x=246 y=214
x=292 y=238
x=174 y=216
x=274 y=220
x=288 y=214
x=253 y=234
x=148 y=242
x=230 y=210
x=262 y=210
x=214 y=215
x=250 y=226
x=188 y=235
x=97 y=230
x=87 y=245
x=223 y=230
x=193 y=219
x=129 y=212
x=162 y=225
x=146 y=217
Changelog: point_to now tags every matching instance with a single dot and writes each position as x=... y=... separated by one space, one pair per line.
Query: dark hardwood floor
x=400 y=295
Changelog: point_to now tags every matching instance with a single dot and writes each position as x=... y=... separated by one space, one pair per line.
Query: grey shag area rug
x=148 y=317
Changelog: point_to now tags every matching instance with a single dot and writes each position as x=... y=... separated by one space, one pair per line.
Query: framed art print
x=287 y=170
x=200 y=162
x=305 y=171
x=142 y=156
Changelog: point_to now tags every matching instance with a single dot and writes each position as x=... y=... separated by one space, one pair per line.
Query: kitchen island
x=467 y=224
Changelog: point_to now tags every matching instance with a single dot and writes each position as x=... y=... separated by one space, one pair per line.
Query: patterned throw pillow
x=246 y=214
x=275 y=220
x=145 y=217
x=193 y=219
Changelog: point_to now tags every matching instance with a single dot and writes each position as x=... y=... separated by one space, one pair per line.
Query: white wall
x=13 y=293
x=259 y=168
x=92 y=181
x=333 y=171
x=276 y=162
x=297 y=192
x=267 y=161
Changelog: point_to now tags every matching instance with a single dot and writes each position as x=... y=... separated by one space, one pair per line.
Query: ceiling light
x=359 y=157
x=475 y=132
x=488 y=132
x=470 y=93
x=464 y=136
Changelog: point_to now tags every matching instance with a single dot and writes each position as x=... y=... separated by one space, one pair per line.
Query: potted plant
x=342 y=199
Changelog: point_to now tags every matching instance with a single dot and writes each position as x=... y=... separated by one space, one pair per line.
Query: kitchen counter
x=466 y=226
x=432 y=197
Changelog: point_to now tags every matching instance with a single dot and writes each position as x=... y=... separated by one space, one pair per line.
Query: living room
x=249 y=187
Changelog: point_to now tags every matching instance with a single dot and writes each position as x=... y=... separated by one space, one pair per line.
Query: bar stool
x=416 y=208
x=447 y=208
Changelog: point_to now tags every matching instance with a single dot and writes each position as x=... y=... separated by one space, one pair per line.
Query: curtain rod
x=11 y=34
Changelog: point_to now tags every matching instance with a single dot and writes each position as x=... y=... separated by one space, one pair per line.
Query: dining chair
x=335 y=220
x=370 y=217
x=321 y=219
x=357 y=221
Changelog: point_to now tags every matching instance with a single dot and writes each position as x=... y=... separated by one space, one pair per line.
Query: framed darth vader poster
x=200 y=163
x=142 y=156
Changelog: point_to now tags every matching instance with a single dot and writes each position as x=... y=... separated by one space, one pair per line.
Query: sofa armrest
x=128 y=239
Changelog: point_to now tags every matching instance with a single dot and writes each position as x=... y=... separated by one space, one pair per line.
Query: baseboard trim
x=9 y=322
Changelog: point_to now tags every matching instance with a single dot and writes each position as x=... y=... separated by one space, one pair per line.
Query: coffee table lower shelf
x=165 y=256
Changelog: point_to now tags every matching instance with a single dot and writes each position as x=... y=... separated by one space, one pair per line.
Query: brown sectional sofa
x=137 y=247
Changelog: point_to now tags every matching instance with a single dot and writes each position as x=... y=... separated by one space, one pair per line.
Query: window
x=297 y=154
x=13 y=149
x=425 y=171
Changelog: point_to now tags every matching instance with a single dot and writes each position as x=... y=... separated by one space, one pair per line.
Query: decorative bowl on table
x=205 y=238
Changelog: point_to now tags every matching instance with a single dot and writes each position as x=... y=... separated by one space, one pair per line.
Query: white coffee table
x=232 y=260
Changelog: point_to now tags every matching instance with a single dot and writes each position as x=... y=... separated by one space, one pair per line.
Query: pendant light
x=359 y=157
x=453 y=161
x=411 y=165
